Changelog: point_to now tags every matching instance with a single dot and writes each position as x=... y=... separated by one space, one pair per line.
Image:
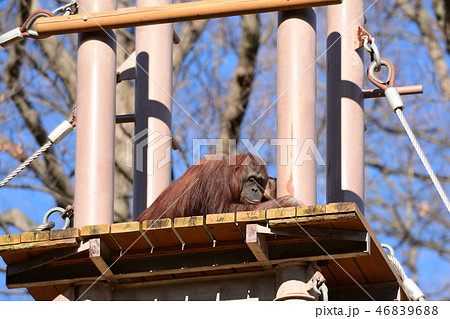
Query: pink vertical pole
x=96 y=95
x=153 y=111
x=296 y=106
x=345 y=108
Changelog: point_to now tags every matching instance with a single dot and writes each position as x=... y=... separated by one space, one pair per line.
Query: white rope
x=409 y=286
x=395 y=262
x=423 y=158
x=26 y=163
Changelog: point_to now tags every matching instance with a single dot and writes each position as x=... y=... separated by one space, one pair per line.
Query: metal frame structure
x=184 y=11
x=296 y=78
x=296 y=109
x=296 y=112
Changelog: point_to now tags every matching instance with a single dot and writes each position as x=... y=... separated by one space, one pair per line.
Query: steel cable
x=423 y=158
x=26 y=163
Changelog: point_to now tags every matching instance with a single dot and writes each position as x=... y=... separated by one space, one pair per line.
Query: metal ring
x=376 y=53
x=384 y=85
x=372 y=48
x=373 y=67
x=67 y=8
x=366 y=43
x=315 y=282
x=324 y=292
x=389 y=248
x=57 y=209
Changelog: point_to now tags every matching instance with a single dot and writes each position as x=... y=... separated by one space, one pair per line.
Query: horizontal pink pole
x=402 y=90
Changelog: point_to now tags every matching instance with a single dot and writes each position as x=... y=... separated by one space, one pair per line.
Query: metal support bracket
x=358 y=33
x=127 y=70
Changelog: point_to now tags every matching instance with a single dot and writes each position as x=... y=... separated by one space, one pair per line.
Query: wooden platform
x=153 y=252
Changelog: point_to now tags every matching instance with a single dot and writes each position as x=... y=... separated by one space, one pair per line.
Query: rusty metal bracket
x=358 y=33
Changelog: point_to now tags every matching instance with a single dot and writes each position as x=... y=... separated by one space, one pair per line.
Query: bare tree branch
x=189 y=33
x=15 y=217
x=54 y=176
x=62 y=63
x=38 y=166
x=391 y=171
x=242 y=80
x=419 y=14
x=442 y=11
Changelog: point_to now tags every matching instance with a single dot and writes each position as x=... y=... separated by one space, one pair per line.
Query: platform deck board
x=34 y=236
x=342 y=268
x=349 y=224
x=161 y=232
x=313 y=210
x=280 y=213
x=103 y=232
x=192 y=230
x=224 y=227
x=375 y=268
x=10 y=239
x=244 y=218
x=12 y=257
x=22 y=251
x=66 y=233
x=129 y=236
x=47 y=293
